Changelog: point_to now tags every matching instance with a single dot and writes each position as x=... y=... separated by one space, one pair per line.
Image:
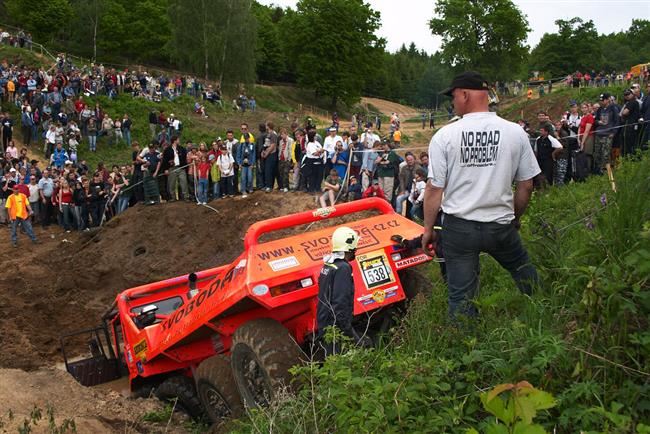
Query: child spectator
x=331 y=186
x=354 y=189
x=374 y=191
x=417 y=193
x=226 y=165
x=203 y=173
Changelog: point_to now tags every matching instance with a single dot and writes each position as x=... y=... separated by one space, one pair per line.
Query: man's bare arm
x=523 y=192
x=432 y=201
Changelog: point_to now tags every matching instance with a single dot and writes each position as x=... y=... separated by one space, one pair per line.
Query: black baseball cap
x=604 y=96
x=467 y=80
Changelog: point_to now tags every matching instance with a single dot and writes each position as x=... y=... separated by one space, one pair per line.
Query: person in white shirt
x=226 y=164
x=312 y=163
x=416 y=196
x=474 y=161
x=329 y=145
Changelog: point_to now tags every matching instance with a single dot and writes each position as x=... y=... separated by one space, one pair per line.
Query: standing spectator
x=586 y=134
x=226 y=164
x=92 y=135
x=98 y=197
x=126 y=129
x=203 y=170
x=270 y=157
x=232 y=144
x=259 y=147
x=64 y=199
x=285 y=162
x=27 y=122
x=605 y=122
x=312 y=163
x=34 y=198
x=18 y=211
x=423 y=116
x=46 y=190
x=548 y=150
x=330 y=147
x=356 y=155
x=246 y=160
x=630 y=118
x=386 y=163
x=153 y=122
x=174 y=163
x=80 y=200
x=644 y=117
x=7 y=129
x=432 y=122
x=340 y=160
x=481 y=212
x=123 y=184
x=151 y=161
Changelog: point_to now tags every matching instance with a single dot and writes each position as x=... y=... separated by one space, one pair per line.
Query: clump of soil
x=70 y=280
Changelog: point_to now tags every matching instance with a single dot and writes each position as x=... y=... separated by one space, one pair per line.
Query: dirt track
x=69 y=281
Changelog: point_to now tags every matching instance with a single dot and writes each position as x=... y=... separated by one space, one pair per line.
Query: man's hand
x=516 y=223
x=428 y=240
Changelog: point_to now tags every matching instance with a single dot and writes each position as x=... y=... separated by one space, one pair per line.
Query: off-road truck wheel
x=414 y=281
x=261 y=355
x=181 y=390
x=217 y=389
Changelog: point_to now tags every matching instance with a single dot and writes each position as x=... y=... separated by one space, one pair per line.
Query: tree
x=333 y=46
x=214 y=37
x=269 y=54
x=43 y=18
x=483 y=35
x=576 y=46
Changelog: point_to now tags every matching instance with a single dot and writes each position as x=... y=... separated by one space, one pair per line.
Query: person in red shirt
x=374 y=191
x=79 y=105
x=203 y=169
x=586 y=132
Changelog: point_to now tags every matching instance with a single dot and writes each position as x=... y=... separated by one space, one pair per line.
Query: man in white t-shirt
x=329 y=146
x=474 y=162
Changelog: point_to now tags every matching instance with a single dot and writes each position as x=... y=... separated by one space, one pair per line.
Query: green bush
x=584 y=338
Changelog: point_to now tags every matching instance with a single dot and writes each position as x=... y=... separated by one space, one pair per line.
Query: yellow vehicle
x=636 y=70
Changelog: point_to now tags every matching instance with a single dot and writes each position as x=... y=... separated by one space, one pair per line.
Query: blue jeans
x=127 y=136
x=462 y=241
x=92 y=143
x=246 y=183
x=122 y=203
x=27 y=225
x=399 y=202
x=216 y=191
x=203 y=190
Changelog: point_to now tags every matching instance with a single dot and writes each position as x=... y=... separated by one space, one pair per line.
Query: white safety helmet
x=344 y=239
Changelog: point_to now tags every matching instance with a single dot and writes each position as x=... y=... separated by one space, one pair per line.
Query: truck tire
x=261 y=355
x=217 y=389
x=414 y=281
x=181 y=391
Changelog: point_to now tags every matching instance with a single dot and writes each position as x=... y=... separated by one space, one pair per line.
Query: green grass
x=583 y=337
x=24 y=57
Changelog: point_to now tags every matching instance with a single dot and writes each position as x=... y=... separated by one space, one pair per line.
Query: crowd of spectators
x=347 y=164
x=590 y=136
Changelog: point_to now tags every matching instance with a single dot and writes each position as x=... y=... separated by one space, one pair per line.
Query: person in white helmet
x=336 y=290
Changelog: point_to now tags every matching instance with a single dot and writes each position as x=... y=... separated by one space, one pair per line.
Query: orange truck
x=224 y=338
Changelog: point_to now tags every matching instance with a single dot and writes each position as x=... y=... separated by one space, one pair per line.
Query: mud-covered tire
x=415 y=281
x=181 y=390
x=261 y=355
x=217 y=389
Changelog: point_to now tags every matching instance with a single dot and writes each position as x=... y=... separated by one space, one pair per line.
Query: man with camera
x=245 y=158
